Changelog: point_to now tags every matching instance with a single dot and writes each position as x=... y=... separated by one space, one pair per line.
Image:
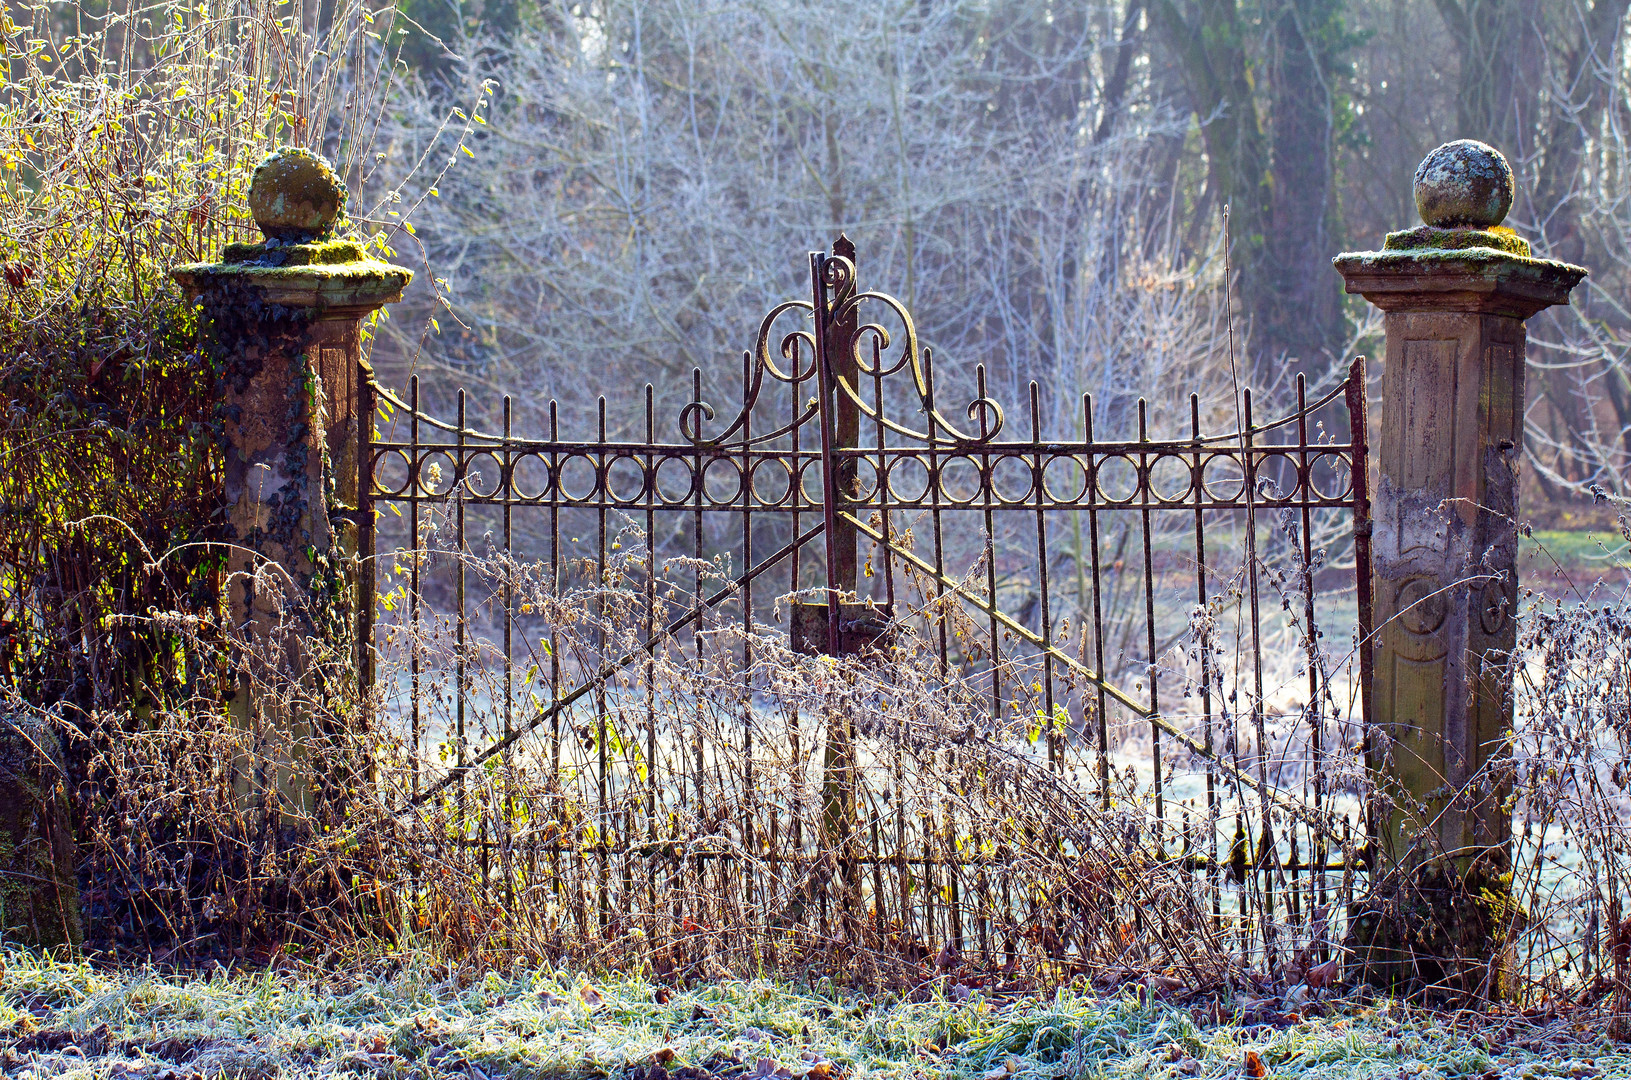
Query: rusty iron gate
x=1187 y=609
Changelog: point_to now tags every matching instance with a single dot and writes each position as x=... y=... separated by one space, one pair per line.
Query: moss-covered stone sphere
x=1464 y=183
x=295 y=195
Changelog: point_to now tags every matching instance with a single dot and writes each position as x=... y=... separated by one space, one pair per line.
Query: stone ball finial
x=1464 y=183
x=295 y=195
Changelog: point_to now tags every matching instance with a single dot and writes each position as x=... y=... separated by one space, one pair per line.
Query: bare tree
x=653 y=170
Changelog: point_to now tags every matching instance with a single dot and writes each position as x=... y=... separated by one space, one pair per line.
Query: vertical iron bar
x=987 y=496
x=415 y=490
x=1316 y=711
x=1092 y=493
x=1149 y=622
x=460 y=633
x=795 y=493
x=648 y=629
x=367 y=564
x=842 y=367
x=882 y=479
x=930 y=842
x=935 y=513
x=553 y=491
x=1359 y=436
x=1205 y=648
x=829 y=438
x=506 y=492
x=1039 y=485
x=603 y=761
x=698 y=466
x=1266 y=857
x=750 y=800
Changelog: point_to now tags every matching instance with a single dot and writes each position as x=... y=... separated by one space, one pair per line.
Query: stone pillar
x=1455 y=293
x=282 y=320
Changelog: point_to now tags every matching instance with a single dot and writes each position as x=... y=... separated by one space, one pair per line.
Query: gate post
x=282 y=321
x=1455 y=293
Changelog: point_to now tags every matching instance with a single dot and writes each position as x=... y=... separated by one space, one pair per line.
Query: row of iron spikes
x=991 y=583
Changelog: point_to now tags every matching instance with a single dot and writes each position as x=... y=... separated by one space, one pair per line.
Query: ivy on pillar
x=282 y=320
x=1455 y=293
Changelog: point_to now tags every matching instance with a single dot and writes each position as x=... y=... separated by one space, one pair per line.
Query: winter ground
x=74 y=1020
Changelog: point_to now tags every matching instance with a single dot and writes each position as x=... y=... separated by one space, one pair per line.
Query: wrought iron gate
x=1124 y=602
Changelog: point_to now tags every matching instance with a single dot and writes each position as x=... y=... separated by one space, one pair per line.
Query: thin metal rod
x=1357 y=391
x=1153 y=672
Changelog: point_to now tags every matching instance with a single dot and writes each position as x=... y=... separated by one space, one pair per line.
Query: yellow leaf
x=466 y=149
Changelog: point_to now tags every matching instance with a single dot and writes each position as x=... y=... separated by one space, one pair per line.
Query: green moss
x=1498 y=238
x=1439 y=928
x=318 y=253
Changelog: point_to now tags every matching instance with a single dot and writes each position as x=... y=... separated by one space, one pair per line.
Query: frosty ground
x=73 y=1019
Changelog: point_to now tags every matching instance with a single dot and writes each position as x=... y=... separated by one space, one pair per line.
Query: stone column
x=1455 y=293
x=282 y=320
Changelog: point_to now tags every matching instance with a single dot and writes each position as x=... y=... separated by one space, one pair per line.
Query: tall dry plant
x=127 y=142
x=722 y=805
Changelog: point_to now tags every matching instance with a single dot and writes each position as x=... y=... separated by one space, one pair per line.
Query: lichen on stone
x=1464 y=182
x=1476 y=260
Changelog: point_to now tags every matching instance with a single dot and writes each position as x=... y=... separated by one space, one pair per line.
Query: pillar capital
x=283 y=318
x=1462 y=258
x=297 y=201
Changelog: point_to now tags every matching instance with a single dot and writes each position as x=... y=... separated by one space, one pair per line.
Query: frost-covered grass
x=70 y=1019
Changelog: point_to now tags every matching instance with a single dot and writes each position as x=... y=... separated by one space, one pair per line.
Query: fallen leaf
x=753 y=1034
x=1254 y=1066
x=1323 y=975
x=663 y=996
x=591 y=996
x=662 y=1055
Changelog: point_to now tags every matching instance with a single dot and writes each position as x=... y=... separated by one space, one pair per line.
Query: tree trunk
x=1207 y=37
x=1301 y=317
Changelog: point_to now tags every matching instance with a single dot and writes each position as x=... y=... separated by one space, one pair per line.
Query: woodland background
x=1041 y=183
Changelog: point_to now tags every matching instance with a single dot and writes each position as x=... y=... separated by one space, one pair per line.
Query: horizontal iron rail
x=943 y=446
